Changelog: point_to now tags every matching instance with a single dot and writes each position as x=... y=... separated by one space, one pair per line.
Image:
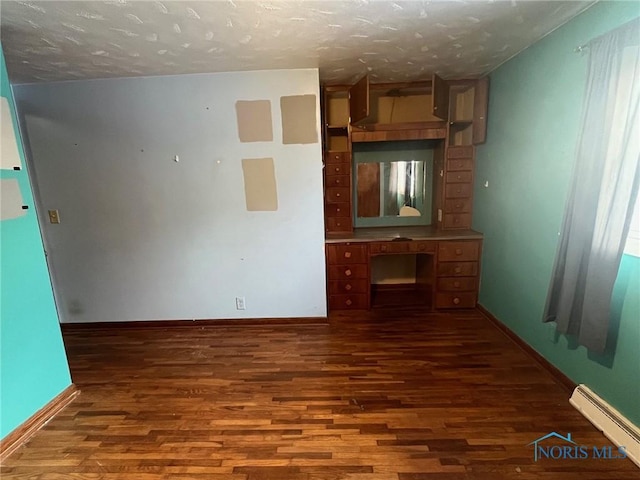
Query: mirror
x=393 y=186
x=391 y=189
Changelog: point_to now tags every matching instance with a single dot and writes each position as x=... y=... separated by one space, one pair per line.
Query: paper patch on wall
x=298 y=119
x=260 y=190
x=254 y=120
x=10 y=199
x=9 y=155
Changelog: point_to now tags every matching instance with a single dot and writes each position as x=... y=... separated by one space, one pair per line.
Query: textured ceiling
x=393 y=40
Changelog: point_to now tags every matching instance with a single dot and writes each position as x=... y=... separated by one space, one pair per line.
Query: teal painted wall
x=33 y=363
x=534 y=116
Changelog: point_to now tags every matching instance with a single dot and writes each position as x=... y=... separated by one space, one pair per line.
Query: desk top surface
x=381 y=234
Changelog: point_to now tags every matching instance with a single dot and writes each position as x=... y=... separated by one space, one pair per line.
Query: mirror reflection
x=391 y=189
x=394 y=188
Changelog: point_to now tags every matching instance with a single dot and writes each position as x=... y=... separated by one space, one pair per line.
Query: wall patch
x=298 y=119
x=260 y=190
x=254 y=120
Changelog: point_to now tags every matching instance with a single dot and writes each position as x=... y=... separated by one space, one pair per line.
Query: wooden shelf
x=380 y=135
x=386 y=127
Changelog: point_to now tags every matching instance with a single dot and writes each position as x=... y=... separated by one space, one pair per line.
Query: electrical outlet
x=54 y=216
x=240 y=305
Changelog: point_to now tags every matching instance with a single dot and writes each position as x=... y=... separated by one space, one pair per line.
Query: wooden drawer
x=337 y=181
x=337 y=169
x=346 y=254
x=459 y=177
x=457 y=284
x=390 y=247
x=458 y=251
x=457 y=205
x=338 y=224
x=421 y=246
x=457 y=220
x=456 y=300
x=459 y=164
x=337 y=210
x=348 y=302
x=460 y=152
x=458 y=190
x=337 y=194
x=347 y=272
x=457 y=269
x=337 y=157
x=343 y=287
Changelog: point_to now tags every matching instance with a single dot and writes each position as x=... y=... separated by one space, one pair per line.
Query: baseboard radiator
x=608 y=420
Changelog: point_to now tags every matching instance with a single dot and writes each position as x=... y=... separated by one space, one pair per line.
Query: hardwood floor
x=383 y=395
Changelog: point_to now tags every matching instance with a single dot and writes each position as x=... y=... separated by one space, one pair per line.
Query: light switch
x=54 y=216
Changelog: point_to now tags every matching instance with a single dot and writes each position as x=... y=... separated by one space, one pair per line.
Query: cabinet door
x=480 y=108
x=359 y=100
x=440 y=97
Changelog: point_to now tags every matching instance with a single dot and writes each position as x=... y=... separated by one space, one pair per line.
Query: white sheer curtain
x=605 y=185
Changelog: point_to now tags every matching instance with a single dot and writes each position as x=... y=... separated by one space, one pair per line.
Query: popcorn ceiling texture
x=393 y=40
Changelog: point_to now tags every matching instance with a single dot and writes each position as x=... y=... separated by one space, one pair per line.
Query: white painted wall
x=145 y=238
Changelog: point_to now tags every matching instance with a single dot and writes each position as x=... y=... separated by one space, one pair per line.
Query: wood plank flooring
x=383 y=395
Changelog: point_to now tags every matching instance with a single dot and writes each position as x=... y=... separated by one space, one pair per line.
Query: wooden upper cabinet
x=468 y=111
x=398 y=103
x=359 y=100
x=440 y=97
x=480 y=108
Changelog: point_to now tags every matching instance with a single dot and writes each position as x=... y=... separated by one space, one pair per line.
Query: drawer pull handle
x=458 y=205
x=457 y=269
x=338 y=224
x=347 y=272
x=456 y=284
x=337 y=209
x=458 y=251
x=337 y=194
x=459 y=177
x=347 y=254
x=337 y=181
x=347 y=287
x=456 y=301
x=337 y=157
x=348 y=303
x=337 y=169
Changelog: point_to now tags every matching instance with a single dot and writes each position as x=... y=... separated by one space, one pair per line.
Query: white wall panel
x=144 y=237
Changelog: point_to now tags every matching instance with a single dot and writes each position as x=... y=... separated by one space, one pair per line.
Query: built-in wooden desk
x=398 y=266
